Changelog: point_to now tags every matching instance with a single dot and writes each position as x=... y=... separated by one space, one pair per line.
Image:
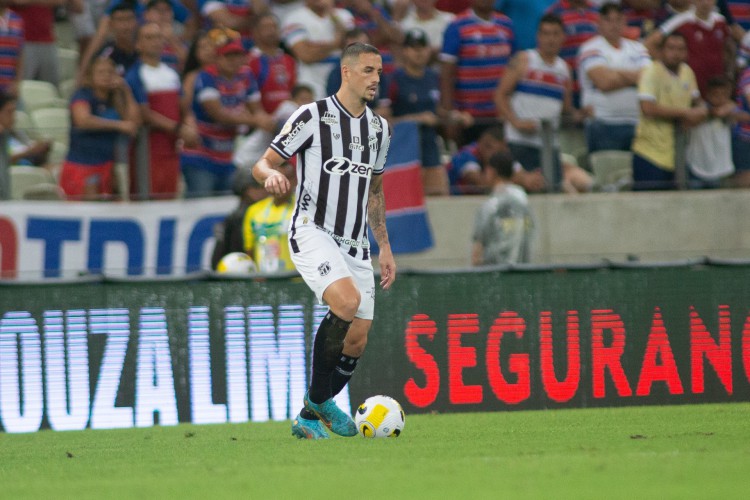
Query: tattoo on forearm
x=376 y=216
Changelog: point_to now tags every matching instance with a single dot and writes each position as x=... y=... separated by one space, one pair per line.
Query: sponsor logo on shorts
x=324 y=268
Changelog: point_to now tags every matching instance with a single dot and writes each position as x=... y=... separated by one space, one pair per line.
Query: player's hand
x=277 y=183
x=387 y=267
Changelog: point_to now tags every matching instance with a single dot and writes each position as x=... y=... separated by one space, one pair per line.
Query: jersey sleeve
x=647 y=84
x=133 y=79
x=379 y=166
x=295 y=134
x=451 y=44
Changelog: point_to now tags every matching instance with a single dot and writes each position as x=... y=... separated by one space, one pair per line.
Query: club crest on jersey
x=329 y=118
x=355 y=145
x=324 y=268
x=338 y=165
x=373 y=142
x=375 y=124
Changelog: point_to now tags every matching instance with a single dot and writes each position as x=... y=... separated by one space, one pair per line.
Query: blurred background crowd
x=158 y=99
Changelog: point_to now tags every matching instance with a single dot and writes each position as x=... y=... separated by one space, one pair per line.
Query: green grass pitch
x=690 y=451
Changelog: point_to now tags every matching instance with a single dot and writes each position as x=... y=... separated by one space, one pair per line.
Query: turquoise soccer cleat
x=303 y=428
x=332 y=417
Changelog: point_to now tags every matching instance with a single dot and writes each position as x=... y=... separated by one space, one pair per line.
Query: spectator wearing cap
x=424 y=15
x=414 y=95
x=225 y=98
x=228 y=233
x=156 y=88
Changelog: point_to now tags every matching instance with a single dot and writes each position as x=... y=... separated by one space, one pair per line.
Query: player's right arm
x=266 y=171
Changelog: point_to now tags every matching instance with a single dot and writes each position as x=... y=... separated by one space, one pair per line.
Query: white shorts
x=321 y=261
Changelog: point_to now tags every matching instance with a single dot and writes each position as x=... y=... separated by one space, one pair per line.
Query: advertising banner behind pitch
x=54 y=239
x=135 y=353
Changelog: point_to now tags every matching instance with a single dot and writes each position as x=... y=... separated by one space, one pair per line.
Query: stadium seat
x=23 y=178
x=37 y=94
x=57 y=153
x=24 y=124
x=46 y=191
x=67 y=87
x=53 y=123
x=68 y=59
x=613 y=170
x=573 y=142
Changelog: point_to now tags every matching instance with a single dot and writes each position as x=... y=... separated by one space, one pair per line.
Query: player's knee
x=349 y=305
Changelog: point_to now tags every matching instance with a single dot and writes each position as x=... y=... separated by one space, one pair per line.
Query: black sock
x=329 y=341
x=342 y=372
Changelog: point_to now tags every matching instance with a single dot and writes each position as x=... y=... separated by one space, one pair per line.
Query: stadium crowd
x=195 y=90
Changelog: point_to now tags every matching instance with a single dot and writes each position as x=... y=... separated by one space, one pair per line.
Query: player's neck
x=353 y=104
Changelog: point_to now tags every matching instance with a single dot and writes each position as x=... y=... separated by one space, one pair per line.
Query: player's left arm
x=376 y=218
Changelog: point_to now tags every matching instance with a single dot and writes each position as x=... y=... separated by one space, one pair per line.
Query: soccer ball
x=236 y=263
x=379 y=416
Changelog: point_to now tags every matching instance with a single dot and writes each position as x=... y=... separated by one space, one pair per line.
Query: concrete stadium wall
x=649 y=226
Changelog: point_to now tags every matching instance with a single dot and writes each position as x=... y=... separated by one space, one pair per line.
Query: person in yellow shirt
x=669 y=98
x=265 y=228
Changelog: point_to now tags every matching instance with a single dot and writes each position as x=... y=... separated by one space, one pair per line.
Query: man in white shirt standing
x=314 y=34
x=608 y=68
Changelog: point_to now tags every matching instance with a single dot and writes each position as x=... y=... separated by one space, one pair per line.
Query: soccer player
x=341 y=147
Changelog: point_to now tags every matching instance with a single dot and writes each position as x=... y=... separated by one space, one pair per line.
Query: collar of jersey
x=344 y=110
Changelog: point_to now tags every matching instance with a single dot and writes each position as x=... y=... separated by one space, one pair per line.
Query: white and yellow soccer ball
x=236 y=263
x=380 y=416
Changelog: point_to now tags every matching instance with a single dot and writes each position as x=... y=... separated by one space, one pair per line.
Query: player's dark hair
x=502 y=163
x=356 y=49
x=610 y=7
x=551 y=19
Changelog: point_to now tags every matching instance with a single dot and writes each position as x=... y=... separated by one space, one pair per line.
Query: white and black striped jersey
x=337 y=154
